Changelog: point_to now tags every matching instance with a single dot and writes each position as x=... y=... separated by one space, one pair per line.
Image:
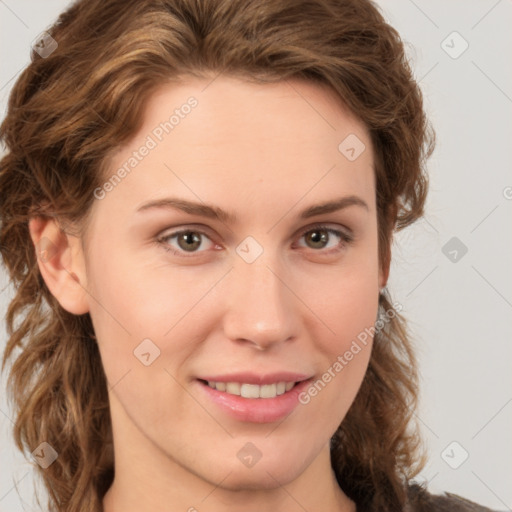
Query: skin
x=265 y=153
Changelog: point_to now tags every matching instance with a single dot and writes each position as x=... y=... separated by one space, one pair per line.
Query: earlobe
x=383 y=278
x=384 y=272
x=61 y=263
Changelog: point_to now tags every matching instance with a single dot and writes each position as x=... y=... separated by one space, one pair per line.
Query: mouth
x=252 y=398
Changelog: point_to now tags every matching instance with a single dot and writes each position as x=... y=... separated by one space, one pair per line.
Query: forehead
x=291 y=111
x=256 y=145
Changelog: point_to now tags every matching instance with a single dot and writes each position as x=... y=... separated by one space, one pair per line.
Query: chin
x=265 y=477
x=229 y=472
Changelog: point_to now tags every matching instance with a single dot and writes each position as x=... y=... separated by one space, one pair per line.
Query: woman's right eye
x=188 y=240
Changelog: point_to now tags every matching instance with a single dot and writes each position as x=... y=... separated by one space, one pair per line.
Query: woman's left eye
x=189 y=240
x=320 y=235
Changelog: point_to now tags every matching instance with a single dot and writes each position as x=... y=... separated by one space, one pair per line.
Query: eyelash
x=346 y=238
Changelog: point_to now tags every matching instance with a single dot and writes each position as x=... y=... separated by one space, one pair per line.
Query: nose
x=261 y=309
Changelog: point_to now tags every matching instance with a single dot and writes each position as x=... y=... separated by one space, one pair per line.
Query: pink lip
x=255 y=410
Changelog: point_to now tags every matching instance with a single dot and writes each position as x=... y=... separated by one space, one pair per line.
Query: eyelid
x=327 y=226
x=202 y=230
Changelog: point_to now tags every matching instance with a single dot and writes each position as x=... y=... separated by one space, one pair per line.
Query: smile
x=254 y=398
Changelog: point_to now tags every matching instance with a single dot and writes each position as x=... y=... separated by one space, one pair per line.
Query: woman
x=197 y=208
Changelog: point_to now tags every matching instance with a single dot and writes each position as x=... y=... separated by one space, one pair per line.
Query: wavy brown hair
x=69 y=111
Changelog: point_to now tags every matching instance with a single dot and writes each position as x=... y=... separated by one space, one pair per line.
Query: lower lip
x=256 y=410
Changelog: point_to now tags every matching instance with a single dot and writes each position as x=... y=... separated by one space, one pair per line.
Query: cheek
x=347 y=344
x=142 y=342
x=346 y=301
x=345 y=356
x=348 y=308
x=351 y=310
x=142 y=314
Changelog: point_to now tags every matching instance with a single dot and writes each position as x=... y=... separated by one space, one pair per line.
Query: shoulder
x=420 y=500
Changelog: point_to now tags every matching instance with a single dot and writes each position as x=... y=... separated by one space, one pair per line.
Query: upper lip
x=253 y=378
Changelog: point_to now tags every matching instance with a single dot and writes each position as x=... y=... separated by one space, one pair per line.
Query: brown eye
x=184 y=241
x=318 y=237
x=188 y=240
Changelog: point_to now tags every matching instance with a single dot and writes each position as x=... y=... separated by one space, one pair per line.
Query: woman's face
x=254 y=299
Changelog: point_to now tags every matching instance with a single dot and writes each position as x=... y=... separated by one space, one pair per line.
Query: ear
x=61 y=263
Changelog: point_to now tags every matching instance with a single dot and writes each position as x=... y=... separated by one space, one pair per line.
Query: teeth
x=268 y=391
x=220 y=386
x=252 y=390
x=233 y=388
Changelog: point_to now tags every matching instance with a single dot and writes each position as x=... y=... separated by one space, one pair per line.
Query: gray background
x=459 y=306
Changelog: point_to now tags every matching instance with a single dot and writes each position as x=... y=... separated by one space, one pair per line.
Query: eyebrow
x=214 y=212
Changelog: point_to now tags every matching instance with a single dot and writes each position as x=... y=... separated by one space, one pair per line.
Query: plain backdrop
x=451 y=271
